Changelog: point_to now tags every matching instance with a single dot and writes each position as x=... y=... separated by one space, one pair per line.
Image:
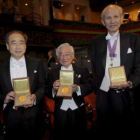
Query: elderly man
x=114 y=49
x=69 y=114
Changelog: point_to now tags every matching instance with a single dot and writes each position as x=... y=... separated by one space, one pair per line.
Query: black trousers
x=18 y=126
x=1 y=132
x=70 y=124
x=113 y=113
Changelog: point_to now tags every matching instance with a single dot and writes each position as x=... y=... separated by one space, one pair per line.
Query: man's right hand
x=56 y=85
x=10 y=96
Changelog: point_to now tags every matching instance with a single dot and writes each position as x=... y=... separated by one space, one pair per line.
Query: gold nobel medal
x=65 y=90
x=22 y=98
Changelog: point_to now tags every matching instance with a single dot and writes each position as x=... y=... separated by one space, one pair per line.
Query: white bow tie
x=20 y=64
x=109 y=37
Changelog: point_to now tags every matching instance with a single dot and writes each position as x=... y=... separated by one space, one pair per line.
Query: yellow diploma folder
x=67 y=80
x=22 y=90
x=118 y=77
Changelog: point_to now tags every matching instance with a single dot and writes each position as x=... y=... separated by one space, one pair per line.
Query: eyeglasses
x=67 y=55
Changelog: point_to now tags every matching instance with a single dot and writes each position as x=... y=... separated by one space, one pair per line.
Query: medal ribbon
x=113 y=48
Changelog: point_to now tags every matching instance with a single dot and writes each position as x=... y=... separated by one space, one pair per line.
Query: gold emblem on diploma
x=22 y=90
x=118 y=77
x=66 y=78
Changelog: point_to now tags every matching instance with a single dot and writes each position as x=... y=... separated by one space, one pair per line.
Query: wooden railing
x=35 y=18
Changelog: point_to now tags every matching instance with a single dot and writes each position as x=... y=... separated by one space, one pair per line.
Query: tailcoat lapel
x=123 y=48
x=57 y=73
x=30 y=70
x=76 y=74
x=103 y=50
x=6 y=75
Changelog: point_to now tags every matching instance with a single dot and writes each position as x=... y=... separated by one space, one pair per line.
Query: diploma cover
x=67 y=80
x=118 y=77
x=22 y=90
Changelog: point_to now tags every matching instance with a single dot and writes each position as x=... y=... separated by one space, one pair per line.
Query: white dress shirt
x=116 y=60
x=17 y=68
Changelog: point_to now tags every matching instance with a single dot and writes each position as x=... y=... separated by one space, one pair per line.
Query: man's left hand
x=32 y=98
x=75 y=88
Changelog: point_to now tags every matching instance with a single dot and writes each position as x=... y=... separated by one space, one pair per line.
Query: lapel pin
x=79 y=76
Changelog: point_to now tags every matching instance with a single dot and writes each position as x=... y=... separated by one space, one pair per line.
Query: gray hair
x=64 y=45
x=109 y=6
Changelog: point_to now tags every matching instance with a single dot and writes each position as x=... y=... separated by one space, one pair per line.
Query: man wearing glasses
x=70 y=113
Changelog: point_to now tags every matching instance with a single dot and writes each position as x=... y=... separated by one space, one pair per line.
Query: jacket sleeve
x=134 y=77
x=86 y=82
x=41 y=84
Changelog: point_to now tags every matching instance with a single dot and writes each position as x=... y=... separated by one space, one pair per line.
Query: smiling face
x=112 y=19
x=65 y=56
x=16 y=45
